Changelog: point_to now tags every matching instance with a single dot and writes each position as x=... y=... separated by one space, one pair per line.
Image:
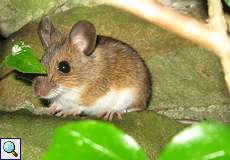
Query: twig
x=211 y=35
x=216 y=16
x=217 y=21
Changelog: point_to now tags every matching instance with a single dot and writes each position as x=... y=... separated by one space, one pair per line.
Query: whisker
x=24 y=78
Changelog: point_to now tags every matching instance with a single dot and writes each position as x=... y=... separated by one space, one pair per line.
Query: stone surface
x=187 y=80
x=36 y=131
x=15 y=14
x=193 y=8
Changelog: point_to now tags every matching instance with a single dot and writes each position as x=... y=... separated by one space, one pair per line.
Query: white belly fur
x=114 y=100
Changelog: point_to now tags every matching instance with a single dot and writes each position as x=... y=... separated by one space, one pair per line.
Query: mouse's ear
x=83 y=36
x=47 y=32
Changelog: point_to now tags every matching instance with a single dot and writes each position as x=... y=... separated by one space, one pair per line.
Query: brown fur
x=120 y=67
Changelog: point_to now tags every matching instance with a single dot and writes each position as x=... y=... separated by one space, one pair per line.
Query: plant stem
x=216 y=16
x=217 y=22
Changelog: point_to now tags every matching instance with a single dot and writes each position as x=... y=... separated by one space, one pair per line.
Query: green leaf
x=204 y=141
x=89 y=140
x=23 y=60
x=227 y=2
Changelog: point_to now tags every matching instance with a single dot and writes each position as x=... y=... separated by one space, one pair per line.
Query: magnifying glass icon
x=9 y=147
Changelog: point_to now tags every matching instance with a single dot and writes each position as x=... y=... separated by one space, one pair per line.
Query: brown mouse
x=90 y=74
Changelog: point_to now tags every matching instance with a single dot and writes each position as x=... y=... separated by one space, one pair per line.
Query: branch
x=216 y=16
x=217 y=21
x=184 y=26
x=212 y=35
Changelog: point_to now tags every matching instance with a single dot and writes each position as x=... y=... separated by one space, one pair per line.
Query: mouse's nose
x=39 y=87
x=40 y=90
x=42 y=86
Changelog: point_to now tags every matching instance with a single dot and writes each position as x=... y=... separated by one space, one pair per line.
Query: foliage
x=203 y=141
x=227 y=2
x=90 y=139
x=23 y=60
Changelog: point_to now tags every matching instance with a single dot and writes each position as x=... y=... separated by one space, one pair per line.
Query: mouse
x=90 y=74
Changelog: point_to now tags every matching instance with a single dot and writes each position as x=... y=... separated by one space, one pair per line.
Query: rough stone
x=188 y=83
x=36 y=131
x=17 y=13
x=184 y=75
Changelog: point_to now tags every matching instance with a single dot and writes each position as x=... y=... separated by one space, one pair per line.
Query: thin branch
x=216 y=16
x=217 y=21
x=184 y=26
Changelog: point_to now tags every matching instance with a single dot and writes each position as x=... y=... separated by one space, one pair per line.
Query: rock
x=188 y=82
x=192 y=7
x=15 y=14
x=151 y=131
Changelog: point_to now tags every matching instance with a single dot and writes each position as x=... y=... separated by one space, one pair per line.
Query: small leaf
x=227 y=2
x=204 y=141
x=89 y=140
x=23 y=60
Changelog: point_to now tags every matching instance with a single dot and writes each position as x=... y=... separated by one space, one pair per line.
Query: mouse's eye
x=64 y=67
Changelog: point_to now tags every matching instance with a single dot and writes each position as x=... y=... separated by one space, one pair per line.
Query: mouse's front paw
x=108 y=116
x=53 y=109
x=49 y=111
x=74 y=111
